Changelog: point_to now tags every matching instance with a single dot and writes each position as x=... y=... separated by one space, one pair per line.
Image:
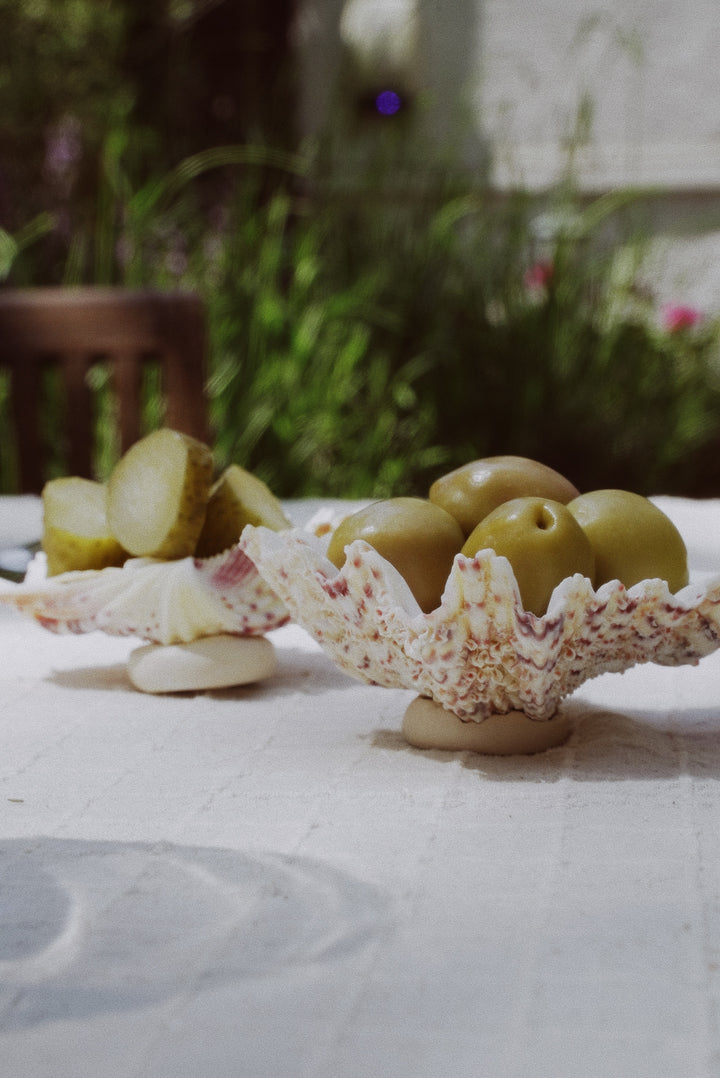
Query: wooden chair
x=71 y=329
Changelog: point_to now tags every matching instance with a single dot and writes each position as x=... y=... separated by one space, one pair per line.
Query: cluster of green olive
x=528 y=513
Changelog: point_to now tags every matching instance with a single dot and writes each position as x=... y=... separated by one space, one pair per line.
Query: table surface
x=267 y=881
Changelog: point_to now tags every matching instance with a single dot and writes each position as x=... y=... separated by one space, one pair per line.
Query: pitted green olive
x=419 y=538
x=543 y=543
x=471 y=492
x=632 y=539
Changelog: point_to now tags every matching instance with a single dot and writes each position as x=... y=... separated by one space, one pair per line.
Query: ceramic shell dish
x=165 y=602
x=480 y=653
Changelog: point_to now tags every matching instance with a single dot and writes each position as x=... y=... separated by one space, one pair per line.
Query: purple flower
x=176 y=262
x=388 y=102
x=63 y=150
x=677 y=317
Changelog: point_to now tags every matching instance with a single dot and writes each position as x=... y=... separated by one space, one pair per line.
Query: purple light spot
x=388 y=102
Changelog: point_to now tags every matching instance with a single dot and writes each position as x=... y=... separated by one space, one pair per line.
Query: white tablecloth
x=266 y=881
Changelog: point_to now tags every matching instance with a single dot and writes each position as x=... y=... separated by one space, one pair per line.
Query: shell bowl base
x=428 y=725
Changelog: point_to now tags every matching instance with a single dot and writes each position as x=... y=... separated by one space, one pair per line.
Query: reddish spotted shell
x=480 y=652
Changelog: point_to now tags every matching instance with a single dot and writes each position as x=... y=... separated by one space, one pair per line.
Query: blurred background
x=425 y=230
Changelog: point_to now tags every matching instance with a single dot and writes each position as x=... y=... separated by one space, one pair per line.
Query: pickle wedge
x=158 y=493
x=237 y=498
x=75 y=528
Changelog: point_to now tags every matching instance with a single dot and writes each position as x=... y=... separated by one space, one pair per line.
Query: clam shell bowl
x=480 y=654
x=164 y=602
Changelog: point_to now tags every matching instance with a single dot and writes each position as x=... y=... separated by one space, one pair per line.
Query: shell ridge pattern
x=165 y=602
x=480 y=652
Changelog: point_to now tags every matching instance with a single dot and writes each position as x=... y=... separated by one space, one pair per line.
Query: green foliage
x=306 y=391
x=362 y=347
x=362 y=341
x=59 y=63
x=362 y=344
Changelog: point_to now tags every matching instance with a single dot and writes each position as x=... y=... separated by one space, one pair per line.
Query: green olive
x=471 y=492
x=542 y=541
x=420 y=539
x=633 y=540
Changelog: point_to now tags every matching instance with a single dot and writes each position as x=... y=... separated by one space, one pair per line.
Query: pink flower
x=539 y=275
x=679 y=316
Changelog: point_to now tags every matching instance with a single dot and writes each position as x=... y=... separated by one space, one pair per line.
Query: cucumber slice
x=75 y=529
x=237 y=498
x=157 y=495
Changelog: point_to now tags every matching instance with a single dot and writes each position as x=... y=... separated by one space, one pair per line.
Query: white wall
x=501 y=82
x=514 y=73
x=650 y=69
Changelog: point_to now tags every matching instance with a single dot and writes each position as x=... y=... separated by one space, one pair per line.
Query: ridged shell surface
x=480 y=652
x=165 y=602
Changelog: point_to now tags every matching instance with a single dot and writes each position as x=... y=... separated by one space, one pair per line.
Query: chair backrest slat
x=72 y=328
x=78 y=411
x=25 y=400
x=127 y=383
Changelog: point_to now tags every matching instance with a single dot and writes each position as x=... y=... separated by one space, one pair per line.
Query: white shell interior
x=165 y=602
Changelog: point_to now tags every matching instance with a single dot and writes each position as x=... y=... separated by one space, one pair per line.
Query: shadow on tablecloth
x=605 y=745
x=95 y=927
